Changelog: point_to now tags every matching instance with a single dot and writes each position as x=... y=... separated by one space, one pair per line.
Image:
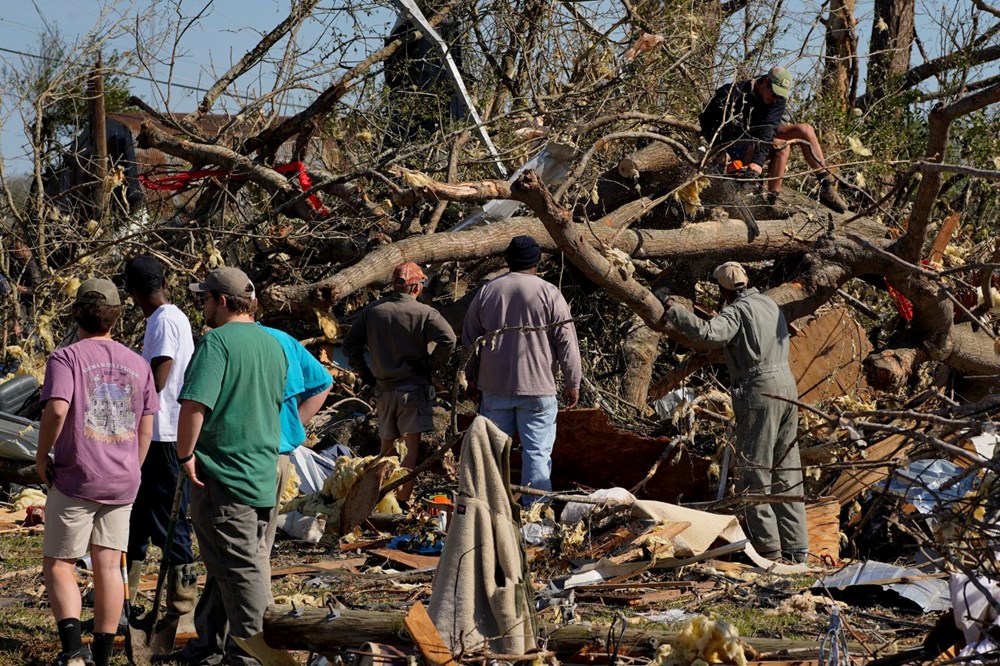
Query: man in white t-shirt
x=167 y=346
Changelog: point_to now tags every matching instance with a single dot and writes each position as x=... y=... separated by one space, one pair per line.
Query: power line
x=130 y=76
x=137 y=77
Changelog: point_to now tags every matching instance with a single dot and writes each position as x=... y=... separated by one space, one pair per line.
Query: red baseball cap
x=407 y=274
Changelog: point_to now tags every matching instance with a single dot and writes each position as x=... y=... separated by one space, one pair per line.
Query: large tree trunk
x=890 y=45
x=840 y=66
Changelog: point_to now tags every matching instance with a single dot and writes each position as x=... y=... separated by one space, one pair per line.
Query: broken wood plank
x=644 y=546
x=852 y=482
x=823 y=526
x=943 y=237
x=635 y=596
x=148 y=581
x=408 y=560
x=609 y=541
x=426 y=636
x=364 y=494
x=651 y=585
x=362 y=545
x=663 y=596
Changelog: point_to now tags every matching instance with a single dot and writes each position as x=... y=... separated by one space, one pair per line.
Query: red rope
x=903 y=305
x=178 y=181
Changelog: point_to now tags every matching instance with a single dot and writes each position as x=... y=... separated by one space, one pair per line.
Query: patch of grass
x=753 y=622
x=20 y=551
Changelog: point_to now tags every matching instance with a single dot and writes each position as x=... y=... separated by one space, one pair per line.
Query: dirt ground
x=756 y=604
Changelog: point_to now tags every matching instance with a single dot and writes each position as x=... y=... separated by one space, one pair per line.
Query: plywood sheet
x=591 y=452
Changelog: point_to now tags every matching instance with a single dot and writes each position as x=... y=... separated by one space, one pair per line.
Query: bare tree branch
x=300 y=10
x=911 y=245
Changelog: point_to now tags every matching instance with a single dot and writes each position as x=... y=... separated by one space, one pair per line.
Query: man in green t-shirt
x=228 y=433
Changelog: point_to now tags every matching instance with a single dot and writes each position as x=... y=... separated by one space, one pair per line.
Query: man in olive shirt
x=227 y=442
x=397 y=332
x=753 y=335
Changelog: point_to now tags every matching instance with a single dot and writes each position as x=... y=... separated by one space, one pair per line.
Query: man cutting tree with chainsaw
x=745 y=118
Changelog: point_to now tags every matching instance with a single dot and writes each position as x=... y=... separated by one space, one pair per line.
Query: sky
x=230 y=27
x=221 y=36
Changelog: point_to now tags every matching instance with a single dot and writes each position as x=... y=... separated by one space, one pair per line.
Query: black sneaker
x=81 y=657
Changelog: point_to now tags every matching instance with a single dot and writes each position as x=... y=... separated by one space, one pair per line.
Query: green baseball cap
x=781 y=81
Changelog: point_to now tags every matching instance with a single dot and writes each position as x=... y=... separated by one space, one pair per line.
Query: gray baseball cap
x=99 y=291
x=226 y=280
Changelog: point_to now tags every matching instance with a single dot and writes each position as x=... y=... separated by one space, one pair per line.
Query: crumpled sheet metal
x=925 y=483
x=929 y=594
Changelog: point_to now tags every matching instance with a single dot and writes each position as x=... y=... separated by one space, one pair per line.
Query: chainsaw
x=739 y=178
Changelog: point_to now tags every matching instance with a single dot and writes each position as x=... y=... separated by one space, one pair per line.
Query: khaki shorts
x=405 y=410
x=73 y=525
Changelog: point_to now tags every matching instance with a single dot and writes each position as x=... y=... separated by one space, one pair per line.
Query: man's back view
x=516 y=371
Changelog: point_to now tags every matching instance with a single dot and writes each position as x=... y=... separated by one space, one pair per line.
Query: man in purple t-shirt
x=99 y=404
x=514 y=373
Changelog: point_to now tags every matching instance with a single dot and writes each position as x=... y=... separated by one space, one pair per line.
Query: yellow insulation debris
x=329 y=500
x=28 y=497
x=706 y=640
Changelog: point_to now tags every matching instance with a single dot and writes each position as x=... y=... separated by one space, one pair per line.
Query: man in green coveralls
x=227 y=443
x=753 y=335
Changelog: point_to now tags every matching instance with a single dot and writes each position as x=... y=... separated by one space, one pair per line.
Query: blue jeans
x=533 y=417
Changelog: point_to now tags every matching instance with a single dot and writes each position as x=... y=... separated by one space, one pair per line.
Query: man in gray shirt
x=753 y=335
x=514 y=373
x=397 y=332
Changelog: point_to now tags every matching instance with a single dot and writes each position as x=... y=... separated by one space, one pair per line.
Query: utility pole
x=99 y=138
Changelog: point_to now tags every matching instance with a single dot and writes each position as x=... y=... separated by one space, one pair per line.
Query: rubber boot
x=134 y=578
x=182 y=589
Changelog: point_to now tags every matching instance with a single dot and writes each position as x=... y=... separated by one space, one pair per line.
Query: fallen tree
x=329 y=632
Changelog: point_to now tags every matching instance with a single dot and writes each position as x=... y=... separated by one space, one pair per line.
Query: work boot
x=795 y=556
x=830 y=197
x=134 y=579
x=182 y=589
